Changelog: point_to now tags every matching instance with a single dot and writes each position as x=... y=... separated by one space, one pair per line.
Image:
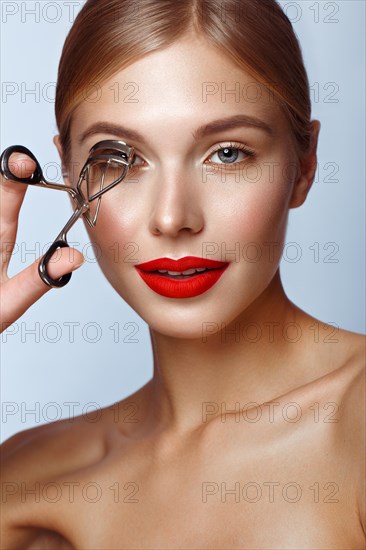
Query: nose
x=177 y=206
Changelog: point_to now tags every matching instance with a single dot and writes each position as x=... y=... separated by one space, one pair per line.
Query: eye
x=136 y=164
x=229 y=153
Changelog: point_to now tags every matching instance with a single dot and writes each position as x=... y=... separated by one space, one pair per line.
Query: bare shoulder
x=350 y=361
x=44 y=455
x=48 y=447
x=353 y=346
x=351 y=380
x=65 y=445
x=336 y=386
x=345 y=379
x=350 y=384
x=334 y=363
x=30 y=460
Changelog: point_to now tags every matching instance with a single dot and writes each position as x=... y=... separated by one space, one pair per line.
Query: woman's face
x=182 y=198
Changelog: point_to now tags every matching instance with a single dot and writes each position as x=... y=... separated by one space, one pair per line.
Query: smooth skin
x=232 y=444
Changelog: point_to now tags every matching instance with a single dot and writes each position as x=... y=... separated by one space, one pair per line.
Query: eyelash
x=222 y=146
x=232 y=145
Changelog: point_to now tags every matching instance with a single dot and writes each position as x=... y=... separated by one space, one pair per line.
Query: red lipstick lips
x=181 y=286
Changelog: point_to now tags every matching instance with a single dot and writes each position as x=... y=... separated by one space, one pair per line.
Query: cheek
x=118 y=229
x=254 y=211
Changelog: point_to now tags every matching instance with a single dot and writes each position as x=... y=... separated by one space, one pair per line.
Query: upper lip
x=188 y=262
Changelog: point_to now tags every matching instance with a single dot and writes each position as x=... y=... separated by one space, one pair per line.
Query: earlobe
x=308 y=170
x=300 y=191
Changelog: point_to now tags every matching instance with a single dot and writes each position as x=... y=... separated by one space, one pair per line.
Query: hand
x=18 y=293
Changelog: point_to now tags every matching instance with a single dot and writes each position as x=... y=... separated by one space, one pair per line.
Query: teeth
x=187 y=272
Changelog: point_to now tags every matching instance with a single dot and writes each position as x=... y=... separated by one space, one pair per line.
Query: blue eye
x=228 y=154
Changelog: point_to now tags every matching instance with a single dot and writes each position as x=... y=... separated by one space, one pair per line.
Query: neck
x=247 y=361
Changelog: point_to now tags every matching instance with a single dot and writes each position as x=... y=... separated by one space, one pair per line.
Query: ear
x=65 y=175
x=307 y=170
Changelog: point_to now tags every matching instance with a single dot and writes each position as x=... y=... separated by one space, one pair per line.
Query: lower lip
x=182 y=288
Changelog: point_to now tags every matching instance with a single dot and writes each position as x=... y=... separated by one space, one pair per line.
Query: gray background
x=45 y=373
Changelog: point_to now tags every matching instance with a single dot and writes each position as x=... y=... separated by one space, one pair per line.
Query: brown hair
x=109 y=35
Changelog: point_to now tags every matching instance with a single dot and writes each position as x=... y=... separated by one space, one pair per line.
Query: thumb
x=64 y=260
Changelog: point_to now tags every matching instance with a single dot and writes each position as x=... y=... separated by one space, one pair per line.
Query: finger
x=63 y=261
x=11 y=198
x=21 y=165
x=25 y=288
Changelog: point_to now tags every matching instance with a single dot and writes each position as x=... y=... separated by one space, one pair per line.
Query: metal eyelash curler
x=107 y=165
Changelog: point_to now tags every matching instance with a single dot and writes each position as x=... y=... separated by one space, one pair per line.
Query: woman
x=193 y=468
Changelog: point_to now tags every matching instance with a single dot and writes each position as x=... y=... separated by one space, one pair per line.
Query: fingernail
x=21 y=158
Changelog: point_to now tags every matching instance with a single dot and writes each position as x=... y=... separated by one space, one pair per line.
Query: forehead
x=189 y=80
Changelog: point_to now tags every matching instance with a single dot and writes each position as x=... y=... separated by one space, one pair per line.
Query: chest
x=207 y=502
x=250 y=515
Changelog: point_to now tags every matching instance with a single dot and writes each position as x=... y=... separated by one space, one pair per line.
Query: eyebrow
x=220 y=125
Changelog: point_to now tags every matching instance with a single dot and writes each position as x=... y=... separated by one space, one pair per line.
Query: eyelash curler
x=111 y=157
